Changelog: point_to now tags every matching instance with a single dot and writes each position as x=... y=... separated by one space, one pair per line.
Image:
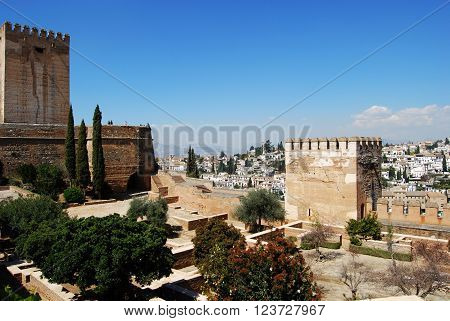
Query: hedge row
x=364 y=250
x=328 y=245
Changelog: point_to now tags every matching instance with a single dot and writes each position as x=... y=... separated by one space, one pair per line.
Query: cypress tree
x=192 y=169
x=82 y=168
x=70 y=147
x=444 y=163
x=98 y=160
x=213 y=167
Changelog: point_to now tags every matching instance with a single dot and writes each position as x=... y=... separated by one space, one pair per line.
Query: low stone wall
x=184 y=256
x=190 y=224
x=382 y=245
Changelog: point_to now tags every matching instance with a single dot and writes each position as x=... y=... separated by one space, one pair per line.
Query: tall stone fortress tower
x=332 y=178
x=34 y=76
x=34 y=108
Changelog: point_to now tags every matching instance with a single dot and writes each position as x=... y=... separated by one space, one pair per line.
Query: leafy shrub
x=215 y=237
x=154 y=211
x=23 y=215
x=27 y=173
x=367 y=227
x=49 y=180
x=355 y=240
x=74 y=195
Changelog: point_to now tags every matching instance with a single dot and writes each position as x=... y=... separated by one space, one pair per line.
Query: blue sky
x=243 y=62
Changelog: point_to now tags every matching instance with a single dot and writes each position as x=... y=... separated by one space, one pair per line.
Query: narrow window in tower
x=39 y=49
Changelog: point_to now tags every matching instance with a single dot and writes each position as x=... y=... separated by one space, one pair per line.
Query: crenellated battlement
x=27 y=32
x=332 y=143
x=34 y=82
x=412 y=211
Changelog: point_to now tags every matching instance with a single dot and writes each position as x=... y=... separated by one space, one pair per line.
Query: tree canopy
x=153 y=211
x=259 y=205
x=100 y=254
x=275 y=271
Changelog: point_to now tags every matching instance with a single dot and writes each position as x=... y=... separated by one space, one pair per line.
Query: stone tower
x=332 y=178
x=34 y=76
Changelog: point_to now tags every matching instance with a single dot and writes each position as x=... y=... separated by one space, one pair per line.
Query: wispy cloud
x=380 y=116
x=431 y=121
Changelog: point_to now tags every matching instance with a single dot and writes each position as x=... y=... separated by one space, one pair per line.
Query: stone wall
x=34 y=76
x=191 y=194
x=128 y=150
x=331 y=177
x=414 y=213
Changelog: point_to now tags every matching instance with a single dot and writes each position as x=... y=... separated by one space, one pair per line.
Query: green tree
x=222 y=154
x=70 y=147
x=405 y=175
x=399 y=175
x=259 y=205
x=153 y=211
x=192 y=168
x=213 y=166
x=27 y=173
x=231 y=167
x=447 y=142
x=444 y=163
x=268 y=147
x=98 y=160
x=104 y=255
x=367 y=227
x=275 y=271
x=391 y=173
x=82 y=165
x=222 y=168
x=23 y=215
x=417 y=149
x=249 y=183
x=280 y=147
x=49 y=180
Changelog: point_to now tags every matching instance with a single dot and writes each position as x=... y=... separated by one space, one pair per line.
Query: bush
x=379 y=253
x=49 y=180
x=27 y=173
x=355 y=241
x=367 y=227
x=155 y=211
x=22 y=215
x=74 y=195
